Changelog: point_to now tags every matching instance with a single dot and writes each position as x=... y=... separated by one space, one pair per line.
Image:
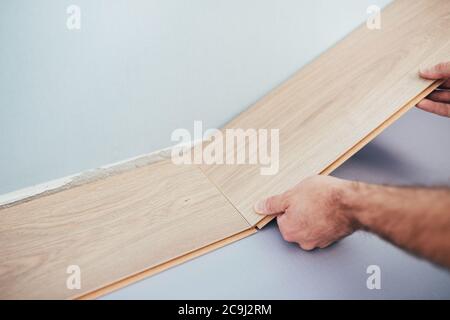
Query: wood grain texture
x=111 y=229
x=164 y=266
x=333 y=103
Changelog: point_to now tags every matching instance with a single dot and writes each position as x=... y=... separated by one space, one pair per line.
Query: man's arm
x=321 y=210
x=416 y=219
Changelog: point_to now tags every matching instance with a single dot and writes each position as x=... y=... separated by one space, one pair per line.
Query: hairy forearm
x=416 y=219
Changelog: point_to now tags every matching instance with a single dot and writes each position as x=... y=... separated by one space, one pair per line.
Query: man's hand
x=437 y=102
x=314 y=213
x=321 y=210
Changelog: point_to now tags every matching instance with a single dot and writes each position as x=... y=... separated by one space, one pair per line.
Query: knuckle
x=275 y=203
x=270 y=204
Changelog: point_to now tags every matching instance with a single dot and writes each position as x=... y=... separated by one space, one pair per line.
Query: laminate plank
x=112 y=229
x=169 y=264
x=336 y=101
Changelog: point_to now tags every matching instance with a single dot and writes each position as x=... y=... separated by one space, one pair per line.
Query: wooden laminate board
x=166 y=265
x=336 y=101
x=112 y=229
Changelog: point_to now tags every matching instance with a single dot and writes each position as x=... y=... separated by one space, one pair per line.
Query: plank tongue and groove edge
x=337 y=103
x=125 y=227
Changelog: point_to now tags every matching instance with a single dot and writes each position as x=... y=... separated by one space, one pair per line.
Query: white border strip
x=49 y=187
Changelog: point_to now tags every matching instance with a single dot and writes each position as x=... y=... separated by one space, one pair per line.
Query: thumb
x=272 y=206
x=439 y=71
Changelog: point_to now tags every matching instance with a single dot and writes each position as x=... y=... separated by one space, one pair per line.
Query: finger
x=438 y=108
x=445 y=85
x=273 y=205
x=284 y=227
x=440 y=96
x=307 y=246
x=439 y=71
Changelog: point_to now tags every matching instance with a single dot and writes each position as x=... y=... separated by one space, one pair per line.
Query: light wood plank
x=112 y=228
x=333 y=103
x=169 y=264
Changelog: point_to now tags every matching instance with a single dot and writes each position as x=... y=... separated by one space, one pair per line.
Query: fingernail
x=425 y=69
x=260 y=207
